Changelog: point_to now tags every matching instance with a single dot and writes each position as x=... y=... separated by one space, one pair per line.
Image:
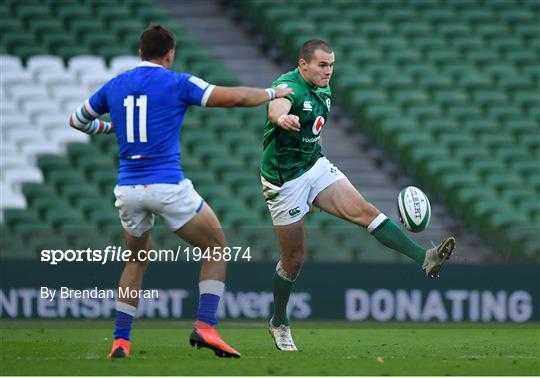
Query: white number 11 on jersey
x=141 y=103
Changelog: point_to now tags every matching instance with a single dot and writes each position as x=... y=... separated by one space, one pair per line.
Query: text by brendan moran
x=65 y=292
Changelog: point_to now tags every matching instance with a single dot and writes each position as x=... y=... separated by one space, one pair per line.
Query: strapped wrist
x=271 y=93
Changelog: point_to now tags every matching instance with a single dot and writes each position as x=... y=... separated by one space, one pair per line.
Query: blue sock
x=208 y=304
x=122 y=325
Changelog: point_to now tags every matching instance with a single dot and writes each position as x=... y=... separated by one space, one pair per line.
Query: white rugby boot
x=437 y=256
x=282 y=337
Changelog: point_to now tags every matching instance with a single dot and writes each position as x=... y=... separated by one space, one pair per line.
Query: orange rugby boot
x=206 y=336
x=120 y=348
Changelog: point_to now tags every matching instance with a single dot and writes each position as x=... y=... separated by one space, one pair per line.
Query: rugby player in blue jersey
x=147 y=106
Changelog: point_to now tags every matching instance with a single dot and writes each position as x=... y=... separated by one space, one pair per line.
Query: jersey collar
x=146 y=63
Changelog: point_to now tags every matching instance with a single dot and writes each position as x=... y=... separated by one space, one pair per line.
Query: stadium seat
x=123 y=27
x=110 y=52
x=48 y=63
x=49 y=163
x=32 y=149
x=462 y=113
x=486 y=167
x=68 y=12
x=79 y=27
x=41 y=26
x=495 y=141
x=120 y=64
x=12 y=39
x=97 y=39
x=10 y=63
x=379 y=112
x=79 y=64
x=151 y=14
x=474 y=81
x=57 y=81
x=427 y=43
x=421 y=112
x=106 y=180
x=521 y=95
x=9 y=107
x=408 y=97
x=111 y=12
x=14 y=217
x=393 y=83
x=12 y=199
x=37 y=244
x=511 y=154
x=529 y=206
x=15 y=176
x=12 y=246
x=503 y=181
x=525 y=167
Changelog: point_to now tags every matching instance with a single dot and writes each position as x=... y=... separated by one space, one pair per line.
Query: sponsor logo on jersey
x=294 y=212
x=317 y=125
x=311 y=140
x=328 y=102
x=308 y=107
x=282 y=85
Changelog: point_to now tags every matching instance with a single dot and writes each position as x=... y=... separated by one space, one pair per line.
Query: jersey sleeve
x=98 y=101
x=193 y=90
x=288 y=84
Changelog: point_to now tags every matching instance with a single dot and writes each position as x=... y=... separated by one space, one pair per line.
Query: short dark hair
x=308 y=49
x=156 y=41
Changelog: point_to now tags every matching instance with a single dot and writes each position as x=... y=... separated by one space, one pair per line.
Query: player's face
x=318 y=70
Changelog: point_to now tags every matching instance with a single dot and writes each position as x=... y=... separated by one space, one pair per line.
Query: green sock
x=282 y=291
x=392 y=236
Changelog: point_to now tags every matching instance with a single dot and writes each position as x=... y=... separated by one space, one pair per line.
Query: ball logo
x=317 y=125
x=417 y=209
x=414 y=209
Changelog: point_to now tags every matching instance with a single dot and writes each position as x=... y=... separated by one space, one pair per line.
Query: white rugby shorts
x=291 y=201
x=175 y=204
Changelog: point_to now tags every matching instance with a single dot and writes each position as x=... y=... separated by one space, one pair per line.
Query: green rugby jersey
x=288 y=154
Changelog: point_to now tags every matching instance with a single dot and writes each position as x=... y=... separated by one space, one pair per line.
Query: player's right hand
x=289 y=122
x=282 y=92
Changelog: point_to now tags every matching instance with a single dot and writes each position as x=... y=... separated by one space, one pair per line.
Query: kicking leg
x=204 y=231
x=343 y=200
x=131 y=279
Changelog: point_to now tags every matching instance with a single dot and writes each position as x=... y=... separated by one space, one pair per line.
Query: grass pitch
x=325 y=348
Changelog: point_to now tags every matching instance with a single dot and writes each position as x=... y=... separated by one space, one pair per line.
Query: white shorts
x=291 y=201
x=175 y=204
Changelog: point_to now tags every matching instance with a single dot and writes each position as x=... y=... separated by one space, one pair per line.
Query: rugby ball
x=414 y=209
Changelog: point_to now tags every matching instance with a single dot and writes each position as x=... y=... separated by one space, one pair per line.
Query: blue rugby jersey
x=147 y=106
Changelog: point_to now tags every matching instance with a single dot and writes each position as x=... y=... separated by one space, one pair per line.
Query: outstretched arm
x=244 y=96
x=85 y=119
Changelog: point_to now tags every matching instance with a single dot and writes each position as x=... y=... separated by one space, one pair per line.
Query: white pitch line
x=514 y=357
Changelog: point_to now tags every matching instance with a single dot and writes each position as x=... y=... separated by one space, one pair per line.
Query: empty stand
x=450 y=90
x=447 y=88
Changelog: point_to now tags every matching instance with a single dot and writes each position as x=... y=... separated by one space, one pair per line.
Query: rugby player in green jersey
x=295 y=176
